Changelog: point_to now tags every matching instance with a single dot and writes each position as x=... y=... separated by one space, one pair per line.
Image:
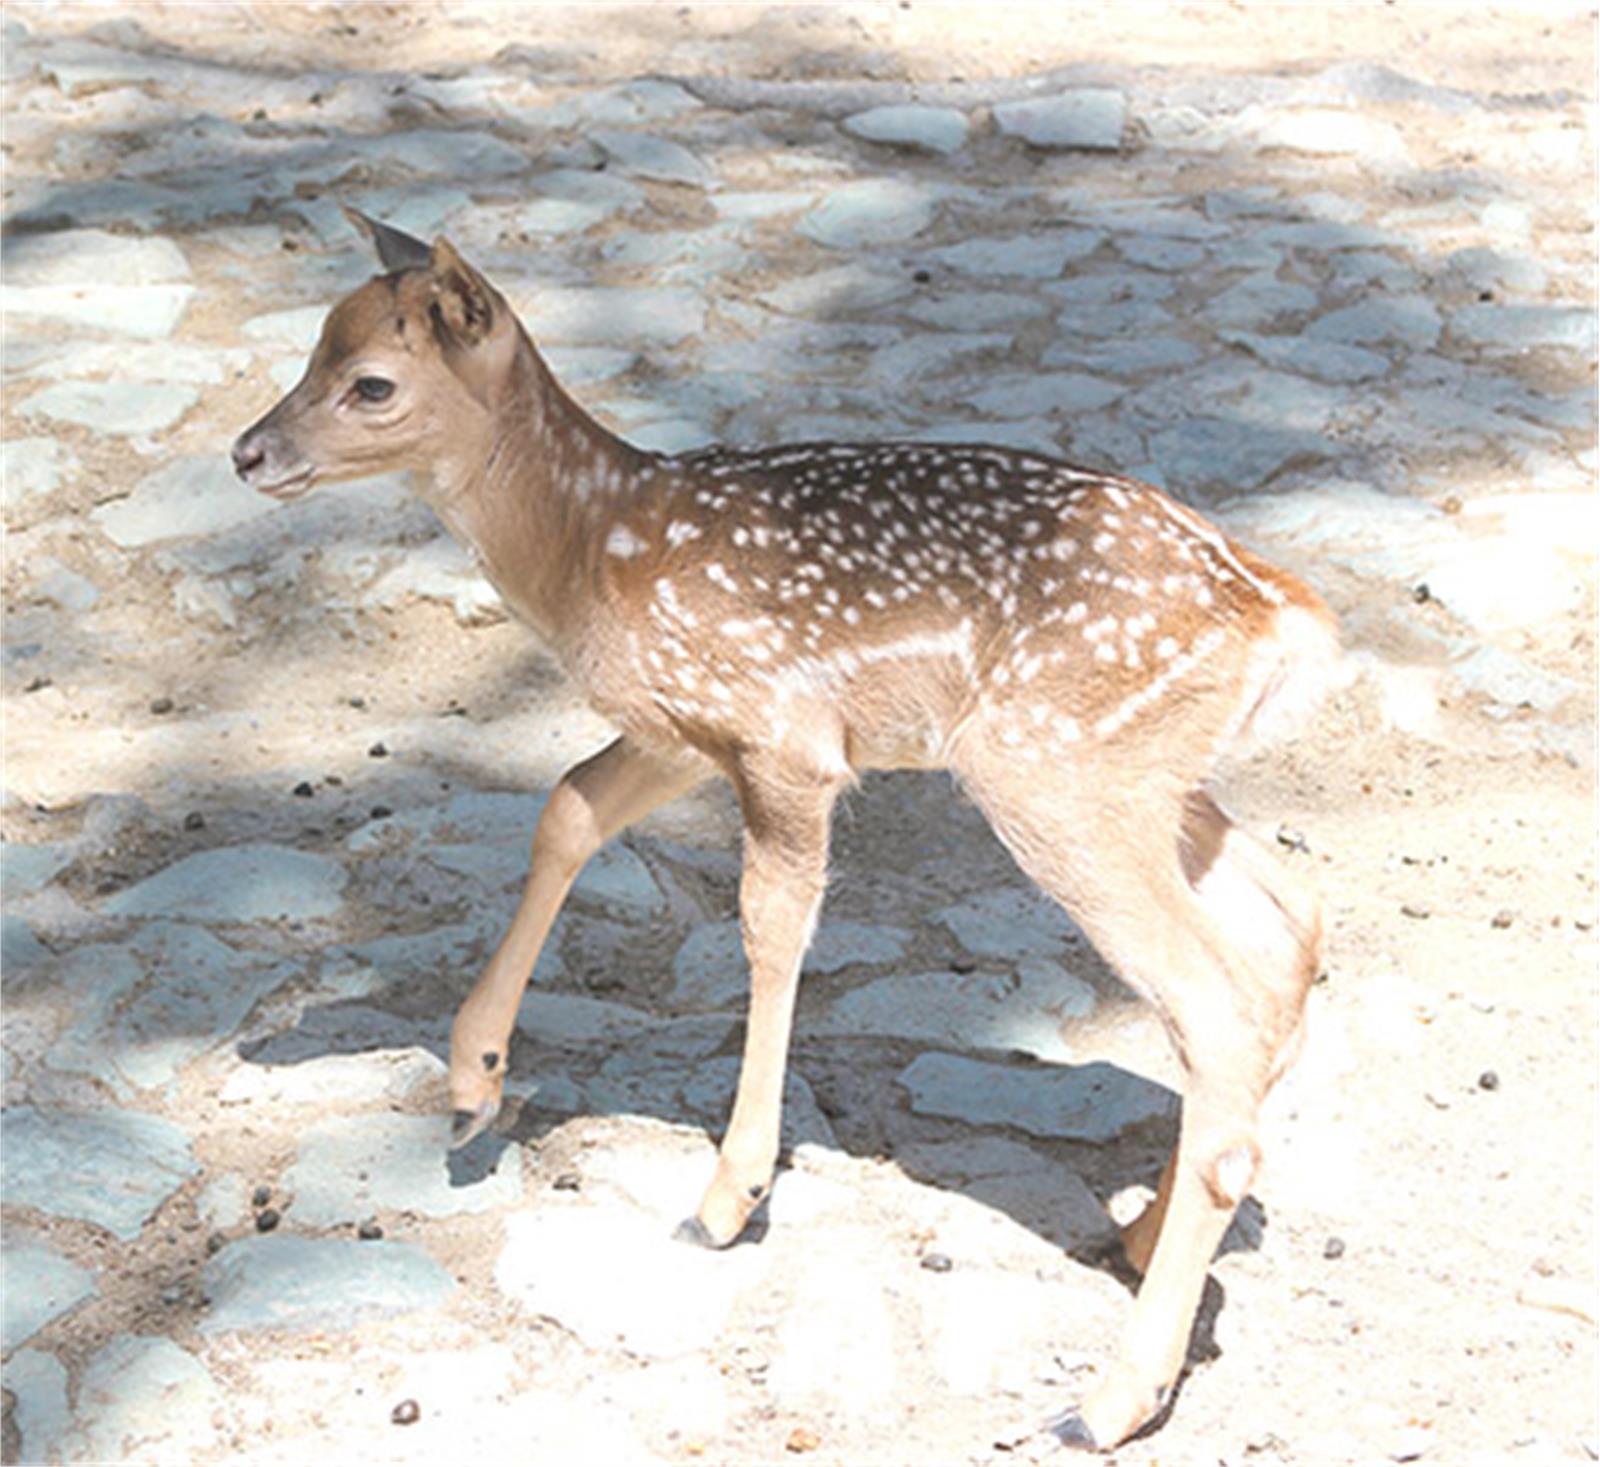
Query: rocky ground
x=270 y=771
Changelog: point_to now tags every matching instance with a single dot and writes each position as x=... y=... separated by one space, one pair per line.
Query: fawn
x=1074 y=646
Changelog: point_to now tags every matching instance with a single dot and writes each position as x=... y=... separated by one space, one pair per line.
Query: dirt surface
x=1417 y=1278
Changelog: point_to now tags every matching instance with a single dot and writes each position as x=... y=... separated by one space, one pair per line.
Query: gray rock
x=645 y=156
x=624 y=1283
x=1088 y=118
x=59 y=586
x=1482 y=268
x=167 y=361
x=1217 y=454
x=927 y=353
x=933 y=129
x=1010 y=923
x=440 y=571
x=1033 y=256
x=19 y=948
x=672 y=436
x=342 y=1080
x=612 y=315
x=973 y=311
x=1160 y=254
x=25 y=868
x=830 y=292
x=113 y=1168
x=349 y=1167
x=189 y=496
x=196 y=992
x=873 y=211
x=39 y=1383
x=577 y=365
x=144 y=1399
x=90 y=277
x=32 y=468
x=1330 y=361
x=1151 y=354
x=1258 y=302
x=284 y=1282
x=1094 y=1102
x=248 y=883
x=1324 y=236
x=1409 y=320
x=297 y=327
x=626 y=105
x=709 y=970
x=119 y=409
x=224 y=1202
x=36 y=1285
x=1025 y=1011
x=1326 y=131
x=1527 y=328
x=572 y=1020
x=1042 y=394
x=1129 y=318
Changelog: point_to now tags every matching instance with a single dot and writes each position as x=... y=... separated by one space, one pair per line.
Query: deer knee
x=1229 y=1176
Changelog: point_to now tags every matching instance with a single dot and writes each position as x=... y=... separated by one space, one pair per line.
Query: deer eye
x=374 y=389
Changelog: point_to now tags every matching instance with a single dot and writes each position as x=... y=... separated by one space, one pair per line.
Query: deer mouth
x=290 y=487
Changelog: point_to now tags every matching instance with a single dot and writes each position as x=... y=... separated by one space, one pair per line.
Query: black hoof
x=465 y=1124
x=1069 y=1430
x=692 y=1230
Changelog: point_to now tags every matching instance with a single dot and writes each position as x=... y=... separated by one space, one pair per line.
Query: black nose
x=246 y=456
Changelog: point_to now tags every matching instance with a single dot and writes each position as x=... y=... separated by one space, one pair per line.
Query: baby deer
x=1077 y=648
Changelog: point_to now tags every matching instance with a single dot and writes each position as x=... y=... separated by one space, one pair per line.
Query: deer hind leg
x=1198 y=919
x=785 y=871
x=592 y=802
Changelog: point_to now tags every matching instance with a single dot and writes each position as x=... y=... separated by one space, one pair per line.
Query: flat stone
x=1330 y=361
x=612 y=315
x=19 y=948
x=1032 y=256
x=627 y=104
x=1094 y=1102
x=872 y=211
x=317 y=1284
x=1527 y=328
x=224 y=1202
x=189 y=496
x=1034 y=1189
x=978 y=310
x=442 y=571
x=58 y=585
x=112 y=1168
x=1258 y=302
x=36 y=1285
x=1128 y=319
x=710 y=970
x=335 y=1079
x=1150 y=354
x=33 y=468
x=247 y=883
x=1217 y=454
x=1025 y=1011
x=1160 y=254
x=25 y=868
x=645 y=156
x=39 y=1383
x=91 y=277
x=145 y=1399
x=1481 y=267
x=349 y=1167
x=672 y=436
x=196 y=991
x=1409 y=320
x=578 y=365
x=932 y=129
x=1010 y=923
x=623 y=1281
x=828 y=292
x=167 y=361
x=298 y=327
x=1328 y=131
x=927 y=353
x=1087 y=118
x=573 y=1020
x=118 y=409
x=1039 y=394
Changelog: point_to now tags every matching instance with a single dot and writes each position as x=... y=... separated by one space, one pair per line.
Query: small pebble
x=379 y=751
x=1292 y=839
x=937 y=1262
x=1503 y=918
x=215 y=1243
x=407 y=1413
x=369 y=1231
x=381 y=812
x=802 y=1439
x=267 y=1219
x=357 y=702
x=1333 y=1248
x=194 y=820
x=1488 y=1080
x=261 y=1196
x=567 y=1182
x=1420 y=593
x=1414 y=909
x=39 y=684
x=305 y=789
x=161 y=705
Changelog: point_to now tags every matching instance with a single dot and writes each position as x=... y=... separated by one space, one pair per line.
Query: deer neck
x=528 y=490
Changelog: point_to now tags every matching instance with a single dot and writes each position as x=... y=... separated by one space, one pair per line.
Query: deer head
x=408 y=371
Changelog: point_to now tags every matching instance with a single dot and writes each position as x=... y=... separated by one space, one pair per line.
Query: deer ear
x=397 y=250
x=463 y=300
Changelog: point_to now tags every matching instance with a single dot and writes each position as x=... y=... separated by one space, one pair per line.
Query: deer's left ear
x=463 y=300
x=396 y=249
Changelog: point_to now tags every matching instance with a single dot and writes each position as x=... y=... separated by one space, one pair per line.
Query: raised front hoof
x=467 y=1124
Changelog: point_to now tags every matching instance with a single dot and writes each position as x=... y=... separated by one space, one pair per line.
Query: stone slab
x=36 y=1285
x=1093 y=1102
x=875 y=211
x=349 y=1167
x=33 y=468
x=145 y=1399
x=197 y=495
x=112 y=1168
x=117 y=409
x=1090 y=118
x=317 y=1284
x=931 y=129
x=39 y=1383
x=646 y=156
x=247 y=883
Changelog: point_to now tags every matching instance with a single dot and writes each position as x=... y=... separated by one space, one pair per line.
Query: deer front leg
x=785 y=871
x=593 y=802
